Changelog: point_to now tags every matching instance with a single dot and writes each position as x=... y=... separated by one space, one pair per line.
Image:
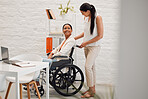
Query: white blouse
x=87 y=35
x=66 y=48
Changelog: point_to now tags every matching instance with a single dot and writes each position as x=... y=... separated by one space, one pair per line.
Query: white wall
x=24 y=26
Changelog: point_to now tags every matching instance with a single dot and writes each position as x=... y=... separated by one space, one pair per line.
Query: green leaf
x=68 y=2
x=71 y=9
x=60 y=12
x=60 y=6
x=65 y=10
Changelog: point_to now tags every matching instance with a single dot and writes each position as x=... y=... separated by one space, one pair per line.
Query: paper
x=24 y=64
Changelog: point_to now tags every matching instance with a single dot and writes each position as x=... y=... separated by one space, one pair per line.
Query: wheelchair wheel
x=68 y=80
x=61 y=81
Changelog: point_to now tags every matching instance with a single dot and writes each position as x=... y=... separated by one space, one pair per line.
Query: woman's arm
x=66 y=48
x=54 y=51
x=99 y=24
x=79 y=36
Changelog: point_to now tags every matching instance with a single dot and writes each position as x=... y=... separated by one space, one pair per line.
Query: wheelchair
x=66 y=78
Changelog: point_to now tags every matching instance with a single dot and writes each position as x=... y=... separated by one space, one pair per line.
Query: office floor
x=103 y=91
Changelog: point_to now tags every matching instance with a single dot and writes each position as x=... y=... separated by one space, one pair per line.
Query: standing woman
x=93 y=33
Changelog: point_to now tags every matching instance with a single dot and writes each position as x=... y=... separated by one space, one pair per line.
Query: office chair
x=26 y=79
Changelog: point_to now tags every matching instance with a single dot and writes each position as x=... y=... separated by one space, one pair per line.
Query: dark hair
x=86 y=6
x=67 y=24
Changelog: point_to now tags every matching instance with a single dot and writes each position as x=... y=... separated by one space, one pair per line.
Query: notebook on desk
x=5 y=56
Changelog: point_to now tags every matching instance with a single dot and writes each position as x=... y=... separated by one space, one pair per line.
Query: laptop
x=5 y=56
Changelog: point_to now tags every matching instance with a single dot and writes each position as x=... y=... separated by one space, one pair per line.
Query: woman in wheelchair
x=65 y=77
x=65 y=47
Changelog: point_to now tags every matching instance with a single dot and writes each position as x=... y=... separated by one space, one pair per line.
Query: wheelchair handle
x=77 y=46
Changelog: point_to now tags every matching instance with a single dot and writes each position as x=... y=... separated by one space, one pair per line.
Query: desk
x=14 y=71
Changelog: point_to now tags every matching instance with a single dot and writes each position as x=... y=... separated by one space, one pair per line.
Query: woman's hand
x=50 y=55
x=83 y=44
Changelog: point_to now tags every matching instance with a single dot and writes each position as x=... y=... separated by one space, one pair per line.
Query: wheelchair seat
x=63 y=59
x=61 y=62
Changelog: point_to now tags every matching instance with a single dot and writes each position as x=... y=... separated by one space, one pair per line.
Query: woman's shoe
x=88 y=95
x=85 y=92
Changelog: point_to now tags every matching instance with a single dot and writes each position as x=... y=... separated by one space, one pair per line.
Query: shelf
x=56 y=34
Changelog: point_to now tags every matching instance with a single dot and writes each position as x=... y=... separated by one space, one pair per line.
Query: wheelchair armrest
x=60 y=57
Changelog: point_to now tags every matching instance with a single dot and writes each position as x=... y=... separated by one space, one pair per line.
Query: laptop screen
x=4 y=53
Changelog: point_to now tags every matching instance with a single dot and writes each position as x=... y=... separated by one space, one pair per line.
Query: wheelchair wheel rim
x=71 y=80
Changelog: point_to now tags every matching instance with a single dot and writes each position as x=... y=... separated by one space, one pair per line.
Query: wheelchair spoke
x=61 y=72
x=59 y=85
x=67 y=88
x=77 y=71
x=58 y=76
x=78 y=80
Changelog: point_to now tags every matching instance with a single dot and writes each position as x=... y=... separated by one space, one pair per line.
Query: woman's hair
x=67 y=24
x=86 y=6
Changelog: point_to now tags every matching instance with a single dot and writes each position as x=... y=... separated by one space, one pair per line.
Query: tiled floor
x=103 y=91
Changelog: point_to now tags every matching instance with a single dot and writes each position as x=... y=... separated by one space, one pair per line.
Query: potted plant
x=64 y=10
